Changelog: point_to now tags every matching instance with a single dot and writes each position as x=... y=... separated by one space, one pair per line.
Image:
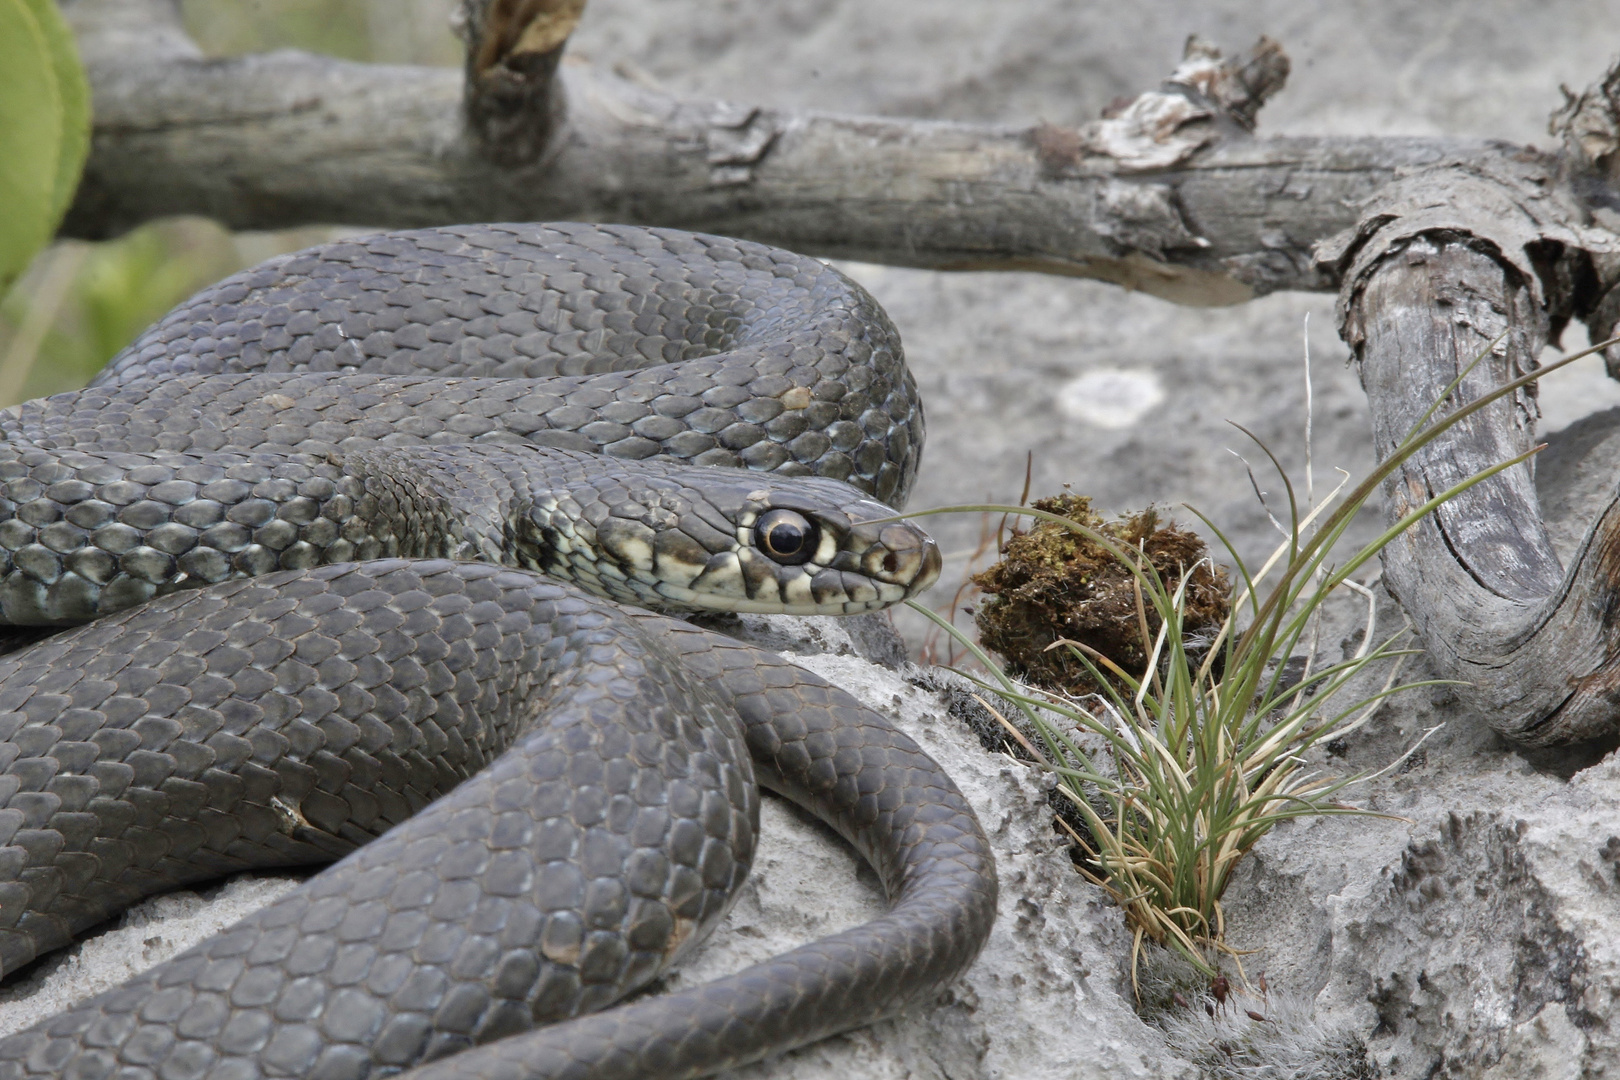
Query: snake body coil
x=284 y=507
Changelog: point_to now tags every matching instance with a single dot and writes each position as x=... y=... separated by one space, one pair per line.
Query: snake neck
x=466 y=503
x=86 y=534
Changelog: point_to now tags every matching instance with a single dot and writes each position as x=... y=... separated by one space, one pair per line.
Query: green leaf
x=44 y=128
x=74 y=91
x=30 y=135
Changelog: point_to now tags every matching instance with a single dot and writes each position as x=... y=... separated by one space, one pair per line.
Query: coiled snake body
x=309 y=513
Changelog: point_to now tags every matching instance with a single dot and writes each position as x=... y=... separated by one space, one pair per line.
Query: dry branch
x=1171 y=195
x=1450 y=266
x=513 y=103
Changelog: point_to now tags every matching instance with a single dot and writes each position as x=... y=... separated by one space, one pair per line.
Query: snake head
x=822 y=548
x=687 y=538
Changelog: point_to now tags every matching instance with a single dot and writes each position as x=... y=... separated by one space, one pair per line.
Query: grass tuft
x=1180 y=764
x=1177 y=768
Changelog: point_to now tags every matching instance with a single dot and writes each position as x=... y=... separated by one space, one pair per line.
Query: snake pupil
x=786 y=537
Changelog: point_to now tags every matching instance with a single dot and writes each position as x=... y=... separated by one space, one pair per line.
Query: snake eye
x=786 y=537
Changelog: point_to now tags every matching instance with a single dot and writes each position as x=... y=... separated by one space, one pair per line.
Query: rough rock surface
x=1477 y=937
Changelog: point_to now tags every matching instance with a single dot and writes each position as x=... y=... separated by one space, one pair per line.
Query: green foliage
x=83 y=302
x=385 y=31
x=44 y=129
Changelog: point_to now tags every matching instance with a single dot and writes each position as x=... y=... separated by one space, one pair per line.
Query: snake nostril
x=891 y=562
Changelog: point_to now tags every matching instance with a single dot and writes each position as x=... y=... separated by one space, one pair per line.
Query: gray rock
x=1473 y=934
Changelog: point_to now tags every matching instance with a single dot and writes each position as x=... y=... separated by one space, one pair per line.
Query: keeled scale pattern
x=85 y=534
x=624 y=341
x=588 y=856
x=202 y=735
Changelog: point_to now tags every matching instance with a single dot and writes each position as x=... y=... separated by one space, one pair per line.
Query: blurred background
x=80 y=303
x=1119 y=396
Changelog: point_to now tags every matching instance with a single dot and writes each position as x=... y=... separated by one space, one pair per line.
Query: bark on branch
x=1170 y=195
x=1447 y=266
x=514 y=106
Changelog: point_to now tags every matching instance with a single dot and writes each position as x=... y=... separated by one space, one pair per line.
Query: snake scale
x=353 y=534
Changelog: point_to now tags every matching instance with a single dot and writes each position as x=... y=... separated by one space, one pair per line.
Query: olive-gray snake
x=308 y=516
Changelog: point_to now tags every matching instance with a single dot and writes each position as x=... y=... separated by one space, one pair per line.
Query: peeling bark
x=1448 y=266
x=1170 y=194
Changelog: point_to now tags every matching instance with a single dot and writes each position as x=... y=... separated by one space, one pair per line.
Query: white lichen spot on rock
x=1112 y=398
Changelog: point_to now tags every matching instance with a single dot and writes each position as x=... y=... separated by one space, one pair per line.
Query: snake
x=383 y=555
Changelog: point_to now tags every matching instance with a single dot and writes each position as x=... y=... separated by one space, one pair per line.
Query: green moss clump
x=1054 y=583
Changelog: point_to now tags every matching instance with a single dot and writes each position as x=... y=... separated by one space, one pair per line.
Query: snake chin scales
x=362 y=541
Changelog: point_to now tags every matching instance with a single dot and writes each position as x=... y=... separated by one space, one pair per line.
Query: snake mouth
x=904 y=555
x=814 y=596
x=743 y=581
x=854 y=568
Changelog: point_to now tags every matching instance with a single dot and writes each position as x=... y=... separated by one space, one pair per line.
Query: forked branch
x=1441 y=247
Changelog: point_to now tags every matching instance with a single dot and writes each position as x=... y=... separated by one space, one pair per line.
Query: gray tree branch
x=1171 y=195
x=1451 y=266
